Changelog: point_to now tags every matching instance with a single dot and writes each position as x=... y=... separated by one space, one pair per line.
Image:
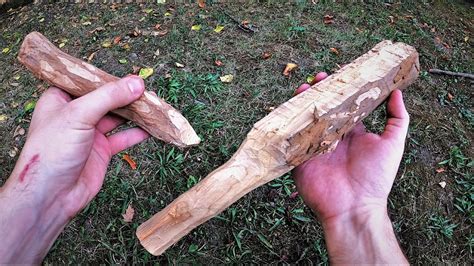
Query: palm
x=360 y=171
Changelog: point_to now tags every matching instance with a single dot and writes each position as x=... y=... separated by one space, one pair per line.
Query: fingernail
x=135 y=84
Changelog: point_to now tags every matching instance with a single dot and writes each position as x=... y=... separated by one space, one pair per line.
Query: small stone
x=12 y=153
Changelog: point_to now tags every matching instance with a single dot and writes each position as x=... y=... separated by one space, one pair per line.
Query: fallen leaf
x=135 y=69
x=442 y=184
x=145 y=72
x=359 y=30
x=168 y=14
x=310 y=79
x=289 y=68
x=91 y=56
x=196 y=27
x=41 y=20
x=130 y=161
x=61 y=45
x=107 y=44
x=148 y=10
x=3 y=117
x=227 y=78
x=135 y=33
x=141 y=19
x=85 y=23
x=218 y=28
x=409 y=17
x=328 y=19
x=129 y=213
x=19 y=131
x=123 y=61
x=466 y=39
x=15 y=84
x=12 y=153
x=334 y=51
x=17 y=77
x=126 y=46
x=157 y=52
x=440 y=170
x=30 y=105
x=218 y=62
x=160 y=1
x=266 y=55
x=6 y=50
x=117 y=39
x=392 y=19
x=14 y=104
x=450 y=96
x=202 y=3
x=179 y=65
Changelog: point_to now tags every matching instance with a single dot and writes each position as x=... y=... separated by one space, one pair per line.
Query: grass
x=270 y=224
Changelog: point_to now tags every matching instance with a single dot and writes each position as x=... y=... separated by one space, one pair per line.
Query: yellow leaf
x=466 y=39
x=6 y=50
x=148 y=10
x=218 y=28
x=17 y=77
x=107 y=44
x=289 y=68
x=196 y=27
x=61 y=45
x=160 y=1
x=145 y=72
x=41 y=20
x=129 y=213
x=3 y=118
x=168 y=14
x=309 y=79
x=227 y=78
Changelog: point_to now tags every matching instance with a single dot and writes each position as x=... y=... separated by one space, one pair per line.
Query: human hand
x=360 y=172
x=348 y=189
x=63 y=163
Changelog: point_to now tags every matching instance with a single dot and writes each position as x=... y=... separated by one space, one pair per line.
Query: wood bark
x=77 y=77
x=310 y=123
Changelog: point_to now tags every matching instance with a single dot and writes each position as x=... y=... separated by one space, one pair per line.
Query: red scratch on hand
x=33 y=160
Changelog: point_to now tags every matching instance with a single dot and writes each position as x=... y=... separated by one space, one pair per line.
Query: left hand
x=64 y=160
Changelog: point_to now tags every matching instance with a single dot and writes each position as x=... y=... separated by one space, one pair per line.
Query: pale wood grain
x=78 y=78
x=310 y=123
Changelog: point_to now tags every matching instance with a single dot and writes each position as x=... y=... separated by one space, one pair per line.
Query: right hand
x=358 y=175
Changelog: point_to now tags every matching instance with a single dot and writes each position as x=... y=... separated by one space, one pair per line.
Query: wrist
x=29 y=225
x=362 y=235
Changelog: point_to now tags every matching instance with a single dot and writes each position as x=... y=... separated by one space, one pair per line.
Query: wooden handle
x=78 y=78
x=310 y=123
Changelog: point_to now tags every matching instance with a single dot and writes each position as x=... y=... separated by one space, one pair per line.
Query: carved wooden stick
x=76 y=77
x=310 y=123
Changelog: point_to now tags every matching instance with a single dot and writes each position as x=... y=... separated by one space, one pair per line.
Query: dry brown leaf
x=289 y=68
x=91 y=56
x=334 y=51
x=392 y=19
x=202 y=3
x=129 y=213
x=218 y=62
x=450 y=97
x=440 y=170
x=19 y=131
x=266 y=55
x=157 y=26
x=117 y=39
x=130 y=161
x=328 y=19
x=135 y=69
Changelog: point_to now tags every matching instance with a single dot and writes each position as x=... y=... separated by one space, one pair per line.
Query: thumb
x=90 y=108
x=398 y=118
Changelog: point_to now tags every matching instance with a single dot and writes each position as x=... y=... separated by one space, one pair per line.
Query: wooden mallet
x=77 y=77
x=310 y=123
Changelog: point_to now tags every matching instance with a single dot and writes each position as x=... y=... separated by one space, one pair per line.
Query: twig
x=249 y=28
x=450 y=73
